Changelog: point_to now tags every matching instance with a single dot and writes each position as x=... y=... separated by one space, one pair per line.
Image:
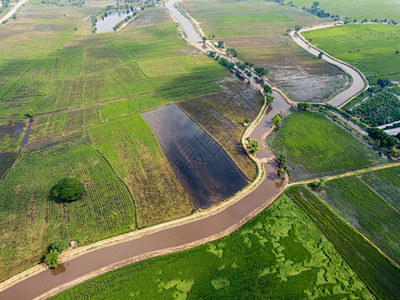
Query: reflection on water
x=206 y=172
x=107 y=23
x=60 y=269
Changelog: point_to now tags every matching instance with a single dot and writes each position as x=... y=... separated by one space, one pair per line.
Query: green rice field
x=381 y=275
x=279 y=254
x=369 y=47
x=357 y=203
x=316 y=147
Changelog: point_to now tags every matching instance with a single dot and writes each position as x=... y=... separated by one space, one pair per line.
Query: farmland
x=316 y=147
x=257 y=29
x=380 y=275
x=30 y=221
x=132 y=150
x=382 y=108
x=357 y=9
x=385 y=182
x=369 y=47
x=279 y=254
x=354 y=201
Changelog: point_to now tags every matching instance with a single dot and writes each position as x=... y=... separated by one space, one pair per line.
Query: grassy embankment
x=380 y=275
x=257 y=29
x=316 y=147
x=279 y=254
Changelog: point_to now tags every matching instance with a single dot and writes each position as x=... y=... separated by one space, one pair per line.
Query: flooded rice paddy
x=107 y=23
x=205 y=170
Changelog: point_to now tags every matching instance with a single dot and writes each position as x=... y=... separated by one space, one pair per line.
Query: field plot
x=380 y=275
x=367 y=211
x=30 y=221
x=257 y=29
x=357 y=9
x=316 y=147
x=369 y=47
x=222 y=115
x=279 y=254
x=132 y=150
x=382 y=108
x=204 y=169
x=386 y=183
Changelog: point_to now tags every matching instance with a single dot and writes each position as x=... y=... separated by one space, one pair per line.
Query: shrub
x=52 y=258
x=59 y=245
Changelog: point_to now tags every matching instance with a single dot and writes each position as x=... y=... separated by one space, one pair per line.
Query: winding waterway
x=356 y=86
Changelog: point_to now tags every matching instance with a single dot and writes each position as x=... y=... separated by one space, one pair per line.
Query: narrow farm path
x=13 y=11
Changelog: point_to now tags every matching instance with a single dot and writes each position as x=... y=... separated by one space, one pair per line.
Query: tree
x=52 y=258
x=204 y=39
x=252 y=145
x=68 y=189
x=395 y=152
x=297 y=27
x=267 y=90
x=320 y=55
x=276 y=120
x=59 y=245
x=220 y=44
x=260 y=71
x=303 y=106
x=231 y=52
x=270 y=99
x=383 y=82
x=212 y=54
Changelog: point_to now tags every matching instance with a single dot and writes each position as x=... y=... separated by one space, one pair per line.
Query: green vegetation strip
x=280 y=254
x=316 y=147
x=359 y=205
x=380 y=275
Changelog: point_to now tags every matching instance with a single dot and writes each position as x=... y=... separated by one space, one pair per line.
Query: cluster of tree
x=382 y=108
x=5 y=3
x=231 y=52
x=383 y=82
x=226 y=63
x=282 y=165
x=303 y=106
x=261 y=71
x=52 y=258
x=383 y=21
x=315 y=10
x=252 y=145
x=382 y=138
x=119 y=24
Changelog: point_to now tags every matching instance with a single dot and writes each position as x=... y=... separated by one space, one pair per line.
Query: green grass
x=280 y=254
x=386 y=182
x=30 y=222
x=316 y=147
x=369 y=47
x=380 y=275
x=133 y=151
x=257 y=29
x=354 y=201
x=359 y=9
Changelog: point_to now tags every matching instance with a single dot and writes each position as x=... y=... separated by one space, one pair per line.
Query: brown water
x=356 y=86
x=204 y=169
x=278 y=105
x=166 y=238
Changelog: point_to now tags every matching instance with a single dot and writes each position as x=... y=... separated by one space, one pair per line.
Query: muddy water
x=356 y=86
x=172 y=237
x=205 y=170
x=191 y=33
x=278 y=105
x=112 y=19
